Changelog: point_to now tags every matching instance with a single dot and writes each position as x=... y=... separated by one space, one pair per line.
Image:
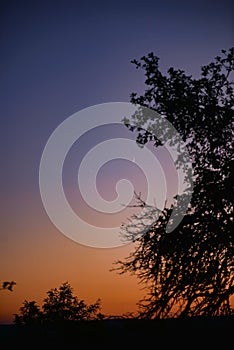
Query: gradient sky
x=58 y=57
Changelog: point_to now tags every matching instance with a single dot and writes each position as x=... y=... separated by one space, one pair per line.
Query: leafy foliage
x=60 y=305
x=30 y=314
x=8 y=285
x=190 y=271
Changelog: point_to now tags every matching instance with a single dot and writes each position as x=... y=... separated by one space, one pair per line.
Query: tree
x=30 y=314
x=60 y=305
x=189 y=271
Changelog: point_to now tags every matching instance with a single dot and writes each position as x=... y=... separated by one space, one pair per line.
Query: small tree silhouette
x=59 y=306
x=62 y=305
x=30 y=314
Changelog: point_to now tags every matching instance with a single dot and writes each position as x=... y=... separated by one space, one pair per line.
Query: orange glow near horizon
x=86 y=269
x=39 y=258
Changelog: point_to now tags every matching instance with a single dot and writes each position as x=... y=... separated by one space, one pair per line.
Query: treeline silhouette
x=65 y=320
x=60 y=306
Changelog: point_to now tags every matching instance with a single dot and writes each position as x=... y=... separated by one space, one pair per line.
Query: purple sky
x=58 y=57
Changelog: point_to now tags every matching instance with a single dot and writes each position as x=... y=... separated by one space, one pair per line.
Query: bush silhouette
x=60 y=305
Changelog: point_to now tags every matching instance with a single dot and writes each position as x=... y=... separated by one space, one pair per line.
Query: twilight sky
x=58 y=57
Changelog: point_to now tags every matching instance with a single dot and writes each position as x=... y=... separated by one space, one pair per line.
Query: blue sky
x=58 y=57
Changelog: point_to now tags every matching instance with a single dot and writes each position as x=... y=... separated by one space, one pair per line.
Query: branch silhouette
x=189 y=271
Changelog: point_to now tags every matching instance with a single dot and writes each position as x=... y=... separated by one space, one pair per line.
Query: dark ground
x=212 y=333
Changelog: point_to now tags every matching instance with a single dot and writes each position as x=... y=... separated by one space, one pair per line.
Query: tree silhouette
x=189 y=271
x=60 y=305
x=30 y=314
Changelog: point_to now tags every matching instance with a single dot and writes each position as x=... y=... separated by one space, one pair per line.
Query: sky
x=58 y=58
